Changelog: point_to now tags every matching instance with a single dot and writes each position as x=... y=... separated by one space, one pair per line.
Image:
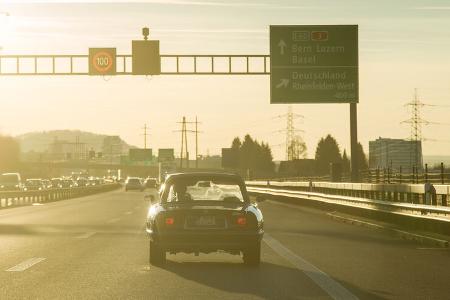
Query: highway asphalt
x=95 y=248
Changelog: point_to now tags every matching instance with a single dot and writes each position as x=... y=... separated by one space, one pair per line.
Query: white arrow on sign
x=282 y=46
x=283 y=83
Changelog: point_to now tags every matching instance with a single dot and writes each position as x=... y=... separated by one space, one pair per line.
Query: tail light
x=170 y=221
x=241 y=220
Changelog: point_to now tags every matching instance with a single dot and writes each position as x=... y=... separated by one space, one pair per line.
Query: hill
x=40 y=141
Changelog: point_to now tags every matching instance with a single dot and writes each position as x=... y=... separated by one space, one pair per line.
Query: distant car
x=191 y=219
x=151 y=183
x=82 y=182
x=10 y=182
x=133 y=183
x=56 y=183
x=93 y=181
x=67 y=183
x=203 y=184
x=47 y=184
x=33 y=185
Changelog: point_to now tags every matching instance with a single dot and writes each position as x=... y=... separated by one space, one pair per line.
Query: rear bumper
x=133 y=188
x=206 y=241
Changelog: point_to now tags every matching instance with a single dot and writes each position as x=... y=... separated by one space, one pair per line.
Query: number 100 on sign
x=102 y=61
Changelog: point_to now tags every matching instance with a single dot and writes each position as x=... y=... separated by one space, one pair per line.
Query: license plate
x=205 y=221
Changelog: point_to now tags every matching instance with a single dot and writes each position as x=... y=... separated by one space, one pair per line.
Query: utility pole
x=289 y=132
x=186 y=142
x=184 y=145
x=183 y=142
x=196 y=142
x=354 y=142
x=145 y=128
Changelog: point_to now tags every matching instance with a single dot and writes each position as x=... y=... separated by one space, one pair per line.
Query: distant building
x=395 y=153
x=60 y=150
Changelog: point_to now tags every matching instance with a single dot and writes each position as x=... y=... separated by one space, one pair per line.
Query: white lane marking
x=128 y=212
x=26 y=264
x=37 y=204
x=113 y=220
x=423 y=248
x=325 y=282
x=86 y=235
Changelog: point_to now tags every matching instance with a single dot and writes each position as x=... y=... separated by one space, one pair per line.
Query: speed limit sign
x=102 y=61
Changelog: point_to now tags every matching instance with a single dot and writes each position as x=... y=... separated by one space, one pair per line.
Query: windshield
x=33 y=182
x=8 y=178
x=134 y=181
x=199 y=191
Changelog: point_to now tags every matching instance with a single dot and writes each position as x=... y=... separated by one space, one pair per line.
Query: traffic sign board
x=102 y=61
x=314 y=64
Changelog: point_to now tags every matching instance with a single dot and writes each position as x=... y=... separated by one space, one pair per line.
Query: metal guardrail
x=405 y=209
x=13 y=199
x=403 y=193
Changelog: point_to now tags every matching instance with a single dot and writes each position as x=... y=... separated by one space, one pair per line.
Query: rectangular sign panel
x=140 y=154
x=230 y=158
x=314 y=64
x=102 y=61
x=167 y=154
x=146 y=59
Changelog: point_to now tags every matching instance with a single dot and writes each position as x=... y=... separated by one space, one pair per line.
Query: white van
x=10 y=182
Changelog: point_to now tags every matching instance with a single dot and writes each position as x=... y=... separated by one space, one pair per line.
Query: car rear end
x=133 y=184
x=10 y=182
x=206 y=229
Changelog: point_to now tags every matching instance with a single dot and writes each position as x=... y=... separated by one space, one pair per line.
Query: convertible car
x=204 y=213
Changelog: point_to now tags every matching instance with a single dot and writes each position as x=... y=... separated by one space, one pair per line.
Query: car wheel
x=252 y=255
x=157 y=256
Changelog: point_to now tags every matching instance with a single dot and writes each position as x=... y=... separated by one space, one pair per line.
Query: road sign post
x=317 y=64
x=314 y=64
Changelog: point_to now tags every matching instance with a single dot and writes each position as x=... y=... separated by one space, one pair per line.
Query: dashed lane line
x=333 y=288
x=85 y=235
x=26 y=264
x=128 y=212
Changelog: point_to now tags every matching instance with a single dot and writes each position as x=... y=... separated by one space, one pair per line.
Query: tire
x=157 y=256
x=252 y=255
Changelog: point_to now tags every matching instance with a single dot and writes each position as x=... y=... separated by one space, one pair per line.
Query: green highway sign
x=314 y=64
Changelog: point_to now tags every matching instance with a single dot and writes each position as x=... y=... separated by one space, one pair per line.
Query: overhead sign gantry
x=307 y=64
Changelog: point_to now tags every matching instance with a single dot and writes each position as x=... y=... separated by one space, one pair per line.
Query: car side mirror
x=260 y=199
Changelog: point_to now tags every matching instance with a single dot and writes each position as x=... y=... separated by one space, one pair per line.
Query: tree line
x=328 y=152
x=249 y=154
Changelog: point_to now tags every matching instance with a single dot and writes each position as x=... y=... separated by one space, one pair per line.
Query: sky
x=403 y=45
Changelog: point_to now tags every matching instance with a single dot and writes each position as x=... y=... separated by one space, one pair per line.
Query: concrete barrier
x=12 y=199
